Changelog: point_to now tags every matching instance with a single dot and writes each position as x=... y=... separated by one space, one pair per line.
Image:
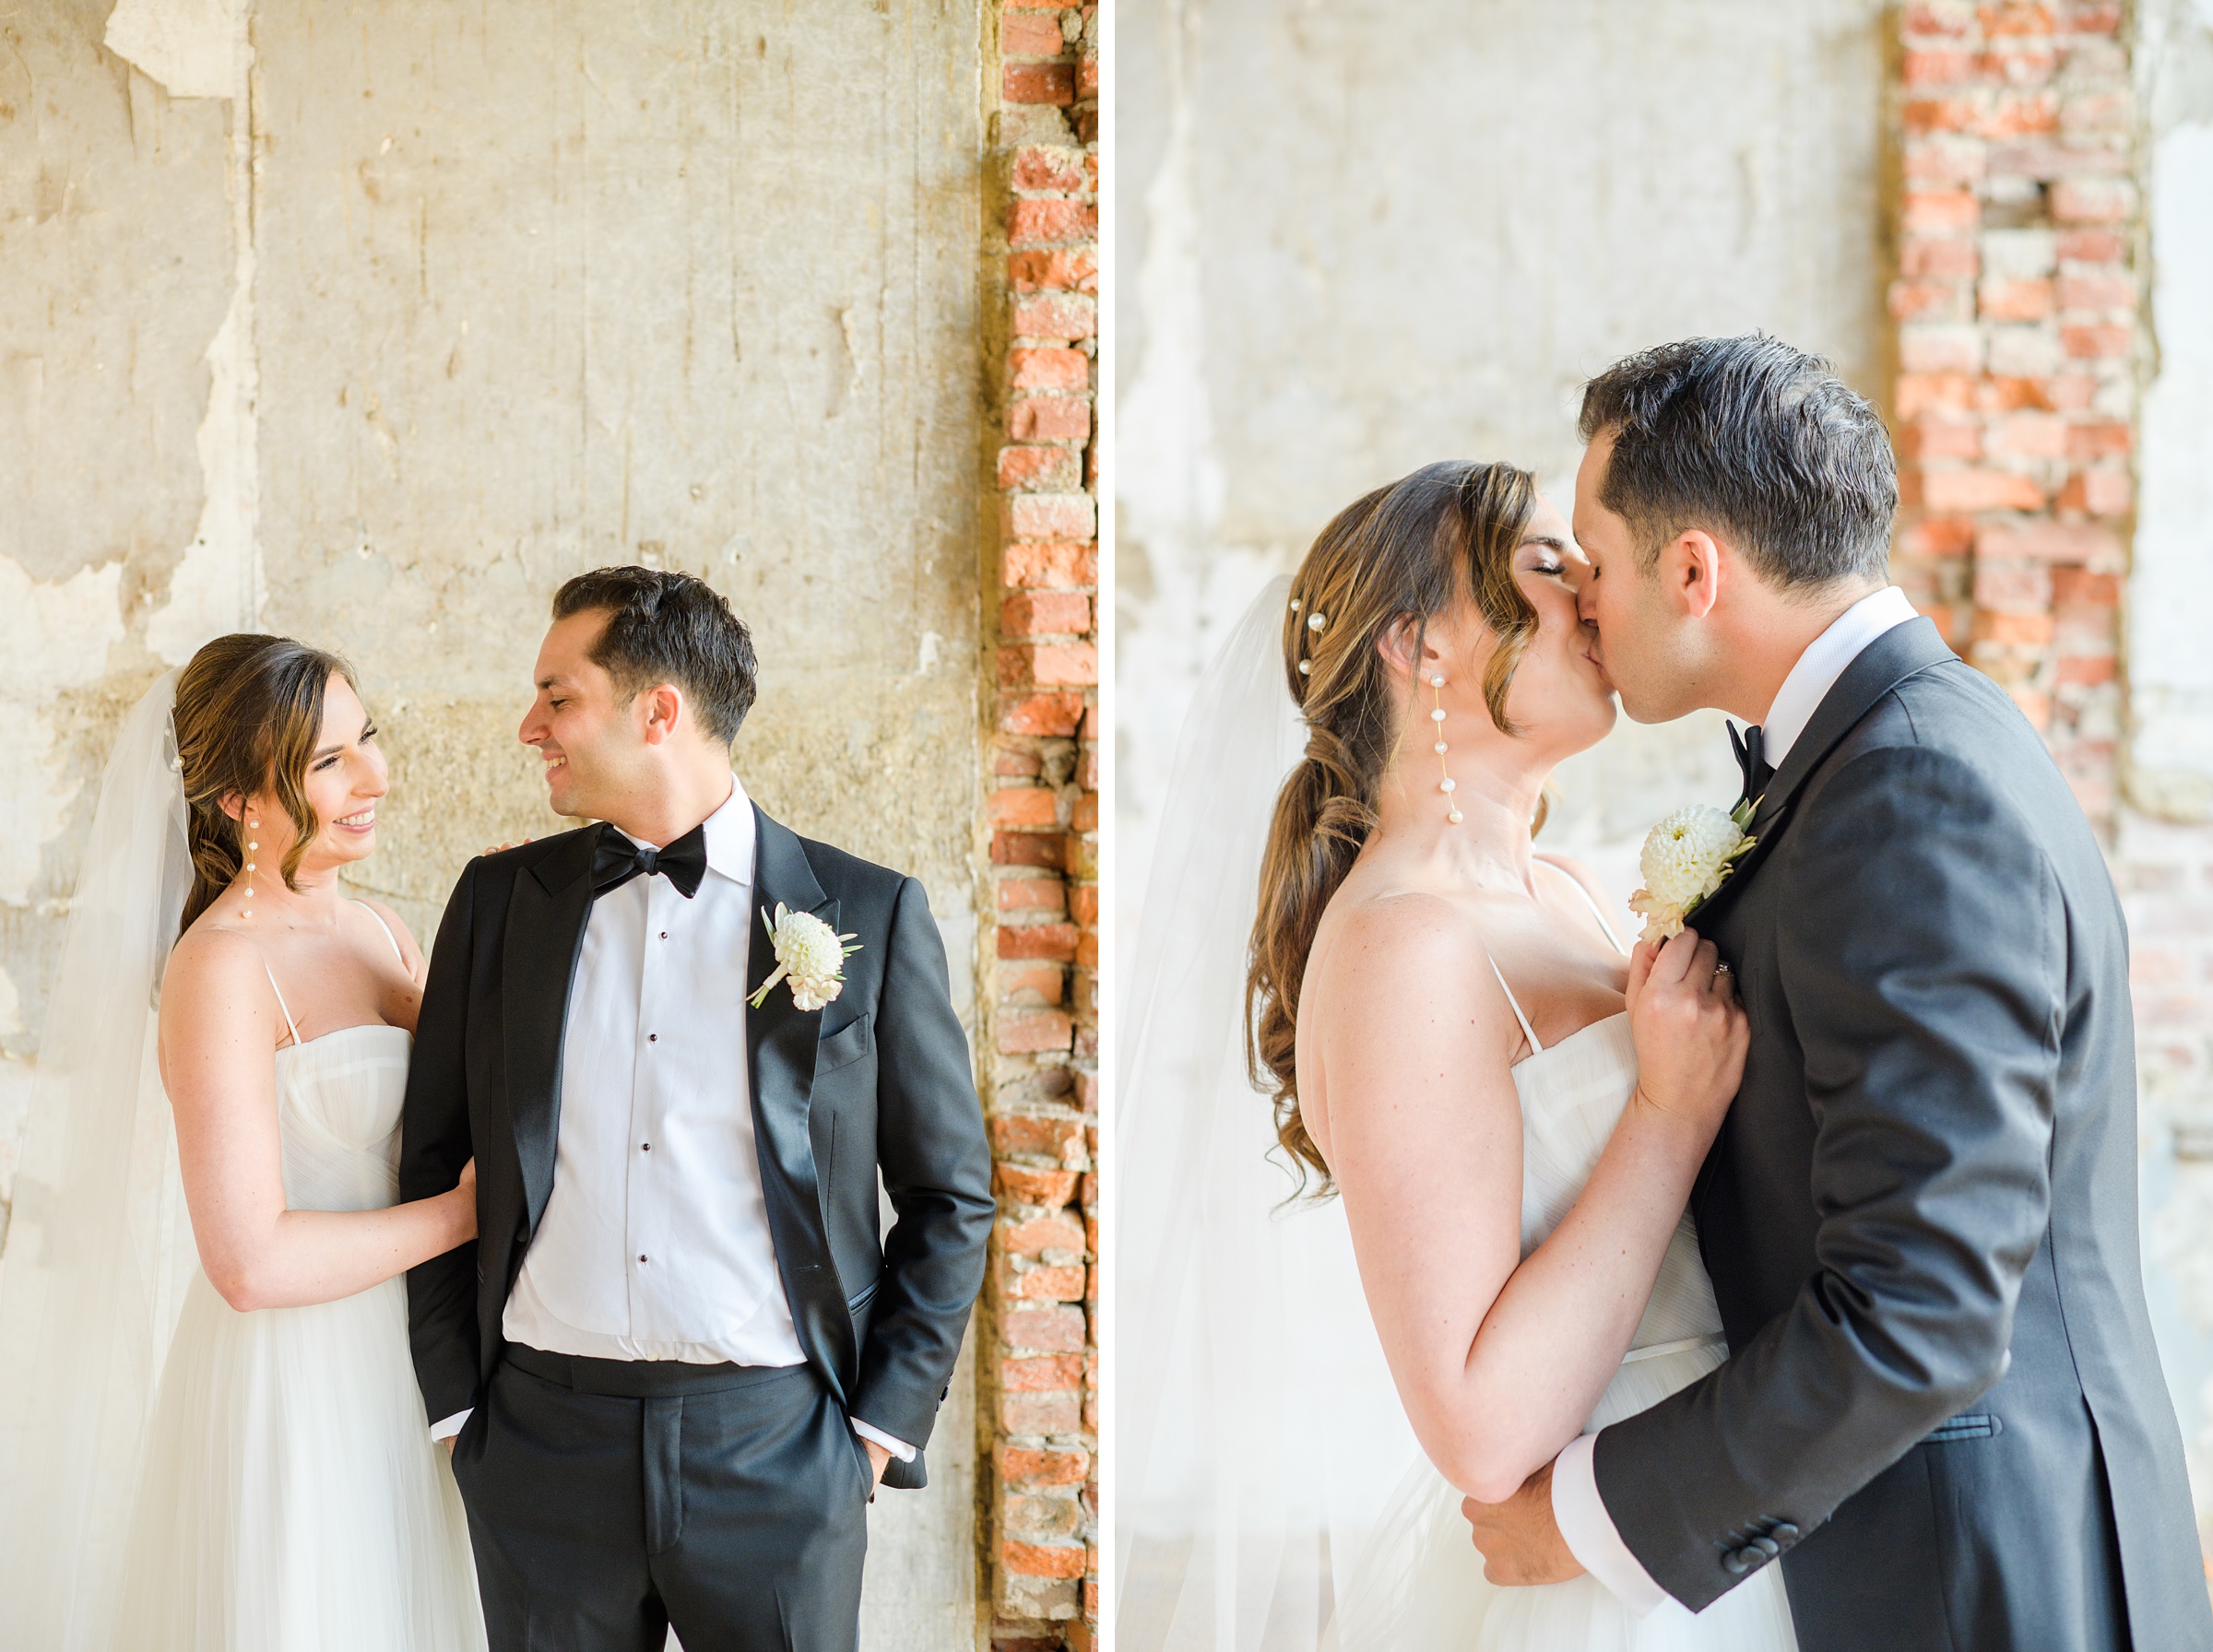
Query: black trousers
x=609 y=1500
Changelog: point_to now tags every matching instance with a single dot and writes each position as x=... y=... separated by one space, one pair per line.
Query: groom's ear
x=1691 y=572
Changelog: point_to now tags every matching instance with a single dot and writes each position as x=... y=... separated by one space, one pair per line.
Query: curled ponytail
x=1406 y=551
x=248 y=713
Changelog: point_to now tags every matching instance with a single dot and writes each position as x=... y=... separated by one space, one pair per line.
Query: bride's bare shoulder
x=213 y=963
x=1399 y=945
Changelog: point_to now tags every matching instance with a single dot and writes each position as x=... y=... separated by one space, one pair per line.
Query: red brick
x=2093 y=200
x=2030 y=436
x=1021 y=982
x=1939 y=347
x=1056 y=315
x=1060 y=269
x=1940 y=212
x=1048 y=469
x=1938 y=537
x=1942 y=115
x=1045 y=1329
x=2011 y=113
x=1928 y=301
x=1083 y=904
x=1031 y=895
x=1940 y=438
x=1030 y=34
x=2016 y=18
x=2070 y=391
x=1033 y=221
x=1049 y=565
x=1035 y=1560
x=1084 y=817
x=1925 y=68
x=2073 y=669
x=2098 y=493
x=2097 y=292
x=1039 y=940
x=2089 y=247
x=2102 y=440
x=1049 y=167
x=1054 y=1413
x=2018 y=587
x=1061 y=1282
x=2078 y=587
x=1981 y=490
x=2091 y=344
x=1048 y=367
x=2014 y=300
x=1925 y=393
x=1024 y=806
x=1997 y=395
x=2098 y=18
x=1051 y=516
x=1933 y=258
x=1023 y=1186
x=2050 y=541
x=2012 y=630
x=1048 y=714
x=1038 y=83
x=1946 y=158
x=1050 y=419
x=1045 y=613
x=1033 y=1031
x=2024 y=64
x=1049 y=665
x=1946 y=17
x=1056 y=1136
x=1027 y=849
x=1042 y=1374
x=1007 y=762
x=1059 y=1231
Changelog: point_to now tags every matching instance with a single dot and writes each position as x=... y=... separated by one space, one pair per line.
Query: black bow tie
x=616 y=860
x=1751 y=760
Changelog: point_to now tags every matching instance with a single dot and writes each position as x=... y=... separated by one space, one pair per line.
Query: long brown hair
x=1406 y=551
x=249 y=711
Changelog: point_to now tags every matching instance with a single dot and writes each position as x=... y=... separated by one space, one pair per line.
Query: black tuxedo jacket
x=878 y=1080
x=1943 y=1405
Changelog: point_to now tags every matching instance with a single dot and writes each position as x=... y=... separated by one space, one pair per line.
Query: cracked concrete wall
x=409 y=316
x=1358 y=237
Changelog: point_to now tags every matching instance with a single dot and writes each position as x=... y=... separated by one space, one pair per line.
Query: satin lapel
x=1896 y=654
x=546 y=918
x=780 y=1040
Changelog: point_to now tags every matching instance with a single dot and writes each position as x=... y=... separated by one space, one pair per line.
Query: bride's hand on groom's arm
x=1691 y=1033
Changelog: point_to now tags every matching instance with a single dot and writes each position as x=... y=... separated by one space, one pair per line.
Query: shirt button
x=641 y=1259
x=644 y=1147
x=653 y=1038
x=664 y=935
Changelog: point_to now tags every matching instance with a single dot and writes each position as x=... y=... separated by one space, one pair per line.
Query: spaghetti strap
x=1514 y=1004
x=291 y=1026
x=1596 y=911
x=394 y=939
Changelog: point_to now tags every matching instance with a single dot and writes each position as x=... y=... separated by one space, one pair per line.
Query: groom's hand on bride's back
x=1691 y=1033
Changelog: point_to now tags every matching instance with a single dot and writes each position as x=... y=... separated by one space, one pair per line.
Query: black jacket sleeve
x=434 y=1145
x=936 y=1163
x=1921 y=960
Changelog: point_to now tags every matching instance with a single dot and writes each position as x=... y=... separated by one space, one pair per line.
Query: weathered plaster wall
x=454 y=304
x=1358 y=237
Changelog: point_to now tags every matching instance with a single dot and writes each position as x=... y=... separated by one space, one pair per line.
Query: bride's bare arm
x=218 y=1027
x=1499 y=1360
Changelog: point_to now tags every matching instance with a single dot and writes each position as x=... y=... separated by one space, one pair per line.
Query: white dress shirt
x=655 y=1242
x=1577 y=1508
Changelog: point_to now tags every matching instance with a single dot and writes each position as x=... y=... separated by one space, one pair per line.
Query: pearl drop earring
x=252 y=844
x=1445 y=782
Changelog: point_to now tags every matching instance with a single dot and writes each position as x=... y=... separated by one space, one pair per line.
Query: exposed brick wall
x=1041 y=1016
x=2017 y=303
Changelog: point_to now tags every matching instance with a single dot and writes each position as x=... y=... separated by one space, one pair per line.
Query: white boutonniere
x=1686 y=858
x=810 y=953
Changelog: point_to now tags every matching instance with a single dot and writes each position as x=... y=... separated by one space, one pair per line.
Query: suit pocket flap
x=843 y=1047
x=1969 y=1425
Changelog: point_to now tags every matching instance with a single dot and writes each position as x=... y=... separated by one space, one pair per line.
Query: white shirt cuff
x=898 y=1449
x=1589 y=1533
x=446 y=1428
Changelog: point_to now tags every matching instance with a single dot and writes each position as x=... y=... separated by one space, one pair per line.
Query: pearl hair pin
x=1445 y=783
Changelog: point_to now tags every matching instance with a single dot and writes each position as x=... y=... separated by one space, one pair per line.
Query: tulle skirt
x=1418 y=1583
x=291 y=1499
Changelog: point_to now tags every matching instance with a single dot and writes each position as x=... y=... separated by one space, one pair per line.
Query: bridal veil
x=100 y=1247
x=1258 y=1435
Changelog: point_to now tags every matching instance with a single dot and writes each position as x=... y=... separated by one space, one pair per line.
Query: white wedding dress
x=291 y=1499
x=1418 y=1586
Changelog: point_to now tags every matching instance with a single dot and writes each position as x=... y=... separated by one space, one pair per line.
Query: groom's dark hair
x=1754 y=440
x=667 y=627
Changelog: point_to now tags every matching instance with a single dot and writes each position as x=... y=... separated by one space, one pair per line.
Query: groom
x=1943 y=1411
x=682 y=1354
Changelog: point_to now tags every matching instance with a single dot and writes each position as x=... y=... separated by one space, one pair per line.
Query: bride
x=282 y=1491
x=1512 y=1112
